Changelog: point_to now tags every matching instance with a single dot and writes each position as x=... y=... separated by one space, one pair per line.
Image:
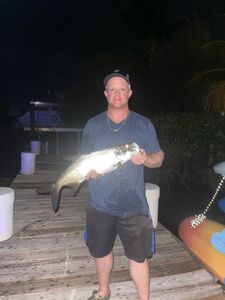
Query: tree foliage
x=209 y=85
x=193 y=144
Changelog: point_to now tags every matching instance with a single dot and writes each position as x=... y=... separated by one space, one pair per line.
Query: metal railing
x=57 y=131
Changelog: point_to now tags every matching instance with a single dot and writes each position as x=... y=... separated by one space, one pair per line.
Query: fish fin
x=99 y=175
x=56 y=196
x=119 y=164
x=116 y=166
x=76 y=189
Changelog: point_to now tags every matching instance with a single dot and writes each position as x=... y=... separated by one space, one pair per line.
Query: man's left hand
x=140 y=158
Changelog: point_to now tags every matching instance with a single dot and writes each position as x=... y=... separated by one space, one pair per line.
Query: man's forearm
x=154 y=160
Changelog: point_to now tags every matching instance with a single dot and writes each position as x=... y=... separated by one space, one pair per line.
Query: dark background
x=69 y=46
x=50 y=48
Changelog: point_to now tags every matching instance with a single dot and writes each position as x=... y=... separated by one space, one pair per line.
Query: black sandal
x=95 y=296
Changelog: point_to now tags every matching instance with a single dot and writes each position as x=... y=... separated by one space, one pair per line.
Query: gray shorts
x=135 y=234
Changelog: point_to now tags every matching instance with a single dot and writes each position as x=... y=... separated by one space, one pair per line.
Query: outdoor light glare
x=220 y=168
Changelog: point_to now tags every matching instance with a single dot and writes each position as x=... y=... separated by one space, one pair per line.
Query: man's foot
x=95 y=296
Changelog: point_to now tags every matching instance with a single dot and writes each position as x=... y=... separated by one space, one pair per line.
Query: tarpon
x=102 y=161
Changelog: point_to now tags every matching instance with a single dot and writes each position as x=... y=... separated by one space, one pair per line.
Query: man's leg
x=136 y=236
x=104 y=267
x=101 y=235
x=140 y=274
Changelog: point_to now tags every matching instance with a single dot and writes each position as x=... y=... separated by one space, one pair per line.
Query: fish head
x=126 y=151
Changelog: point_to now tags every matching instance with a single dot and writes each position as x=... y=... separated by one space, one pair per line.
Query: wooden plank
x=47 y=257
x=162 y=288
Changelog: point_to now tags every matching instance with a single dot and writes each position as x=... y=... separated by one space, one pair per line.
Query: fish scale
x=102 y=161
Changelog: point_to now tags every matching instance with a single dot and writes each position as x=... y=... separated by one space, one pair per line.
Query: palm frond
x=213 y=45
x=214 y=100
x=209 y=86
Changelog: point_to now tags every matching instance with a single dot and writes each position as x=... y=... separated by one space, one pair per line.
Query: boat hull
x=207 y=242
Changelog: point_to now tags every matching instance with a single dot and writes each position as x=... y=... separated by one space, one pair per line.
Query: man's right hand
x=91 y=175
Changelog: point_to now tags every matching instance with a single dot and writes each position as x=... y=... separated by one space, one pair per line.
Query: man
x=117 y=202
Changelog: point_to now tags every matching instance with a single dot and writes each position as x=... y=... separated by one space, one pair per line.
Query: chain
x=117 y=129
x=198 y=219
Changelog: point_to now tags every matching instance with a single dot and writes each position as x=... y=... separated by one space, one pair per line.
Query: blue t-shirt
x=121 y=192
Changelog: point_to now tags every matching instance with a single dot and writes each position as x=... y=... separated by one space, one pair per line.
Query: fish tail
x=56 y=195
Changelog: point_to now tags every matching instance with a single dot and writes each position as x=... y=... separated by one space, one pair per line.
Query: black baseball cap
x=116 y=73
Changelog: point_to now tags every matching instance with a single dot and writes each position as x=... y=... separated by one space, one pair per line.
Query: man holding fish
x=117 y=203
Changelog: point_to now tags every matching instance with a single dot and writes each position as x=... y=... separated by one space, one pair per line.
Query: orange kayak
x=207 y=242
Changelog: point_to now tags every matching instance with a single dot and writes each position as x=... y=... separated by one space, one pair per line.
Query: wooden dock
x=47 y=258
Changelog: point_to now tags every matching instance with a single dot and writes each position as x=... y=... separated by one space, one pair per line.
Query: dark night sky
x=44 y=42
x=36 y=33
x=52 y=27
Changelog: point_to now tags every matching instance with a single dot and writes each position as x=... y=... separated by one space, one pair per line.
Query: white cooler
x=35 y=147
x=7 y=197
x=27 y=163
x=152 y=192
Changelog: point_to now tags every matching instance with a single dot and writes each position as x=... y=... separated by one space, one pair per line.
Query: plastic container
x=36 y=147
x=7 y=198
x=27 y=163
x=152 y=192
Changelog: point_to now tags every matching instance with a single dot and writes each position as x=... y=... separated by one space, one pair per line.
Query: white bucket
x=27 y=163
x=152 y=192
x=7 y=197
x=36 y=147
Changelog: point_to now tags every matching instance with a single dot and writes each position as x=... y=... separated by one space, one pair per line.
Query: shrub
x=193 y=144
